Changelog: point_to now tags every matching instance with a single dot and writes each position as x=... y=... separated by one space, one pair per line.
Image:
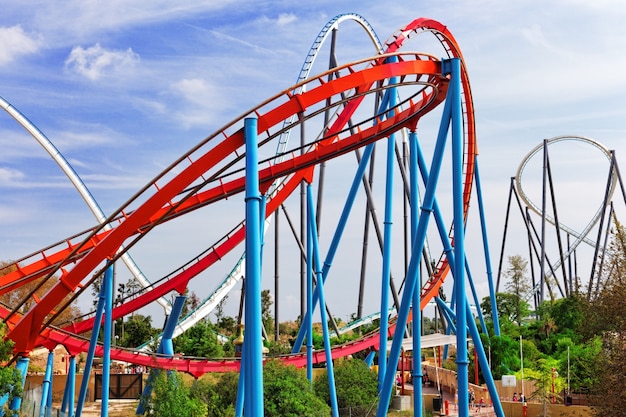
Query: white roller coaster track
x=231 y=280
x=80 y=187
x=582 y=236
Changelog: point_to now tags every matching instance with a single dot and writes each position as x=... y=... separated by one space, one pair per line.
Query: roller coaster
x=405 y=89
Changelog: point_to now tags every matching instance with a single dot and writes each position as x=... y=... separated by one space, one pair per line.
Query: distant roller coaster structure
x=404 y=88
x=547 y=210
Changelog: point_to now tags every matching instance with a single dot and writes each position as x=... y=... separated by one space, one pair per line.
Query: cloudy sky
x=123 y=88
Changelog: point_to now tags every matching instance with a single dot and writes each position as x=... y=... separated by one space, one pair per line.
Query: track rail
x=212 y=171
x=165 y=201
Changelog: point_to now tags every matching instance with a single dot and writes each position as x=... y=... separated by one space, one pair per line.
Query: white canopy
x=428 y=341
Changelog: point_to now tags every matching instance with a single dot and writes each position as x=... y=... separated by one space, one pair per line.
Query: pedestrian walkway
x=486 y=410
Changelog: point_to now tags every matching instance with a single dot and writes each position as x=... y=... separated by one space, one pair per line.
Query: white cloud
x=10 y=176
x=194 y=90
x=202 y=99
x=96 y=61
x=286 y=18
x=14 y=42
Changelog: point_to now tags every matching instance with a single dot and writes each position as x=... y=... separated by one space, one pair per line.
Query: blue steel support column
x=46 y=388
x=165 y=348
x=479 y=313
x=308 y=318
x=483 y=225
x=93 y=342
x=459 y=232
x=253 y=406
x=318 y=273
x=22 y=367
x=417 y=310
x=480 y=353
x=106 y=356
x=240 y=385
x=449 y=314
x=417 y=246
x=387 y=229
x=484 y=364
x=67 y=407
x=332 y=250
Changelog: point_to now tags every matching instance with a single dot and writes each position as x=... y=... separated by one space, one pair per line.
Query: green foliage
x=518 y=286
x=584 y=362
x=288 y=393
x=10 y=378
x=511 y=309
x=505 y=357
x=609 y=394
x=138 y=330
x=266 y=313
x=220 y=396
x=200 y=341
x=548 y=383
x=356 y=386
x=171 y=397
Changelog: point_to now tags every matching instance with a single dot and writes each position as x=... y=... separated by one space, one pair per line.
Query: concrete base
x=401 y=402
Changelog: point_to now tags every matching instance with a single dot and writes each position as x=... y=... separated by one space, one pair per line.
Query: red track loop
x=213 y=170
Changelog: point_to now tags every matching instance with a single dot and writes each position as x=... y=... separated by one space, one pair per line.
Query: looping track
x=213 y=171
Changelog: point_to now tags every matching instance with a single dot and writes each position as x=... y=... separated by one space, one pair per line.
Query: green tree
x=10 y=378
x=505 y=355
x=171 y=397
x=138 y=330
x=584 y=362
x=518 y=286
x=266 y=313
x=548 y=383
x=609 y=395
x=200 y=341
x=288 y=393
x=510 y=308
x=220 y=396
x=356 y=386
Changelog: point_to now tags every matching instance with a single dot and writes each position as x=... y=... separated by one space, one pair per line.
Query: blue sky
x=123 y=88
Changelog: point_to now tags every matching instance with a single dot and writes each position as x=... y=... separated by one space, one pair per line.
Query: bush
x=356 y=385
x=288 y=393
x=172 y=398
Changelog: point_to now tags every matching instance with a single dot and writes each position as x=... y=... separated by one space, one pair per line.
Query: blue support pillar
x=315 y=263
x=334 y=244
x=240 y=387
x=67 y=406
x=480 y=353
x=106 y=354
x=308 y=318
x=483 y=225
x=22 y=367
x=93 y=342
x=46 y=389
x=484 y=365
x=165 y=348
x=253 y=406
x=391 y=93
x=417 y=246
x=454 y=69
x=416 y=303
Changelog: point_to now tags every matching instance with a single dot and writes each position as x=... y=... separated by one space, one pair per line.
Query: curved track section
x=80 y=186
x=428 y=26
x=213 y=170
x=236 y=274
x=209 y=175
x=580 y=236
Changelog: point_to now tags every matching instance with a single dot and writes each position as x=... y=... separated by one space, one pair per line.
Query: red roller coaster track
x=208 y=173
